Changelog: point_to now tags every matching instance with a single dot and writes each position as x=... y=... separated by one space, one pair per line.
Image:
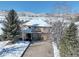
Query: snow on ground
x=14 y=50
x=56 y=50
x=3 y=43
x=1 y=26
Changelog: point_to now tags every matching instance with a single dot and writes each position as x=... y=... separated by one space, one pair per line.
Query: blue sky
x=37 y=7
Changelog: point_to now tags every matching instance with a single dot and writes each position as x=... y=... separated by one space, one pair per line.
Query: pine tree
x=11 y=26
x=69 y=43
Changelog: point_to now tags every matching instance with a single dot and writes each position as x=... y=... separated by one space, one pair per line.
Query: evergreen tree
x=11 y=26
x=69 y=43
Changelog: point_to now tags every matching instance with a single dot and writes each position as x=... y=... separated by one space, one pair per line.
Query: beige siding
x=40 y=35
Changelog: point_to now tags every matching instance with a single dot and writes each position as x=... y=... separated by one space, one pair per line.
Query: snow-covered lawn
x=14 y=50
x=3 y=43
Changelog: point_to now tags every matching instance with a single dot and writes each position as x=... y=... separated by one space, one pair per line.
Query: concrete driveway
x=40 y=49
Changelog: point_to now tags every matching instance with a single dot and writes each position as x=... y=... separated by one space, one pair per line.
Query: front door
x=28 y=35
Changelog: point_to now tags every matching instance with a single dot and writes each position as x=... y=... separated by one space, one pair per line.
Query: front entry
x=28 y=37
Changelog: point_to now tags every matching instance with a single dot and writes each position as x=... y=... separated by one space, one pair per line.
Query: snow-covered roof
x=77 y=23
x=37 y=22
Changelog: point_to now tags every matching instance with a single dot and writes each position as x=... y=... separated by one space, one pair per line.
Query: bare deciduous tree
x=62 y=10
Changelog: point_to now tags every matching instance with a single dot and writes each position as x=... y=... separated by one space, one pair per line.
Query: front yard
x=13 y=50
